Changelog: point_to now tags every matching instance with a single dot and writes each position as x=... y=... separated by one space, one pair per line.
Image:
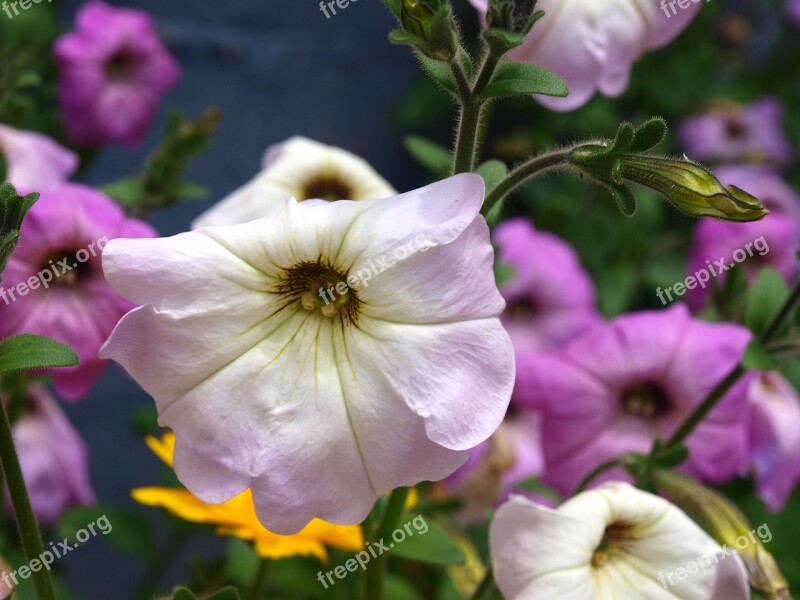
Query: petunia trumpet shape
x=323 y=356
x=613 y=543
x=302 y=169
x=593 y=45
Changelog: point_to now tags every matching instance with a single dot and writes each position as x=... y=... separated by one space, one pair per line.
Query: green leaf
x=394 y=6
x=522 y=79
x=228 y=593
x=439 y=71
x=649 y=135
x=434 y=157
x=765 y=299
x=624 y=198
x=757 y=358
x=503 y=273
x=493 y=172
x=130 y=531
x=434 y=546
x=125 y=191
x=24 y=352
x=183 y=593
x=188 y=190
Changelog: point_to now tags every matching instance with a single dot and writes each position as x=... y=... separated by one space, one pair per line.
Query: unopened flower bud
x=13 y=209
x=729 y=527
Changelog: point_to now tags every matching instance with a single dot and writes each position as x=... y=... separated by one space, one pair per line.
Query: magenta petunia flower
x=550 y=297
x=322 y=356
x=54 y=459
x=34 y=161
x=113 y=70
x=774 y=437
x=720 y=247
x=617 y=388
x=593 y=45
x=732 y=132
x=54 y=284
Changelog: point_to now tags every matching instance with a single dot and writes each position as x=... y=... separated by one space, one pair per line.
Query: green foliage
x=434 y=546
x=764 y=299
x=524 y=79
x=434 y=157
x=25 y=352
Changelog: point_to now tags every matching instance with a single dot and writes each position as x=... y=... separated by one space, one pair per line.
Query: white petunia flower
x=301 y=169
x=611 y=543
x=323 y=356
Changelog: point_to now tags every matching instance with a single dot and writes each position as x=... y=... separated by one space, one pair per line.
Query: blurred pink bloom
x=33 y=160
x=733 y=132
x=113 y=72
x=749 y=247
x=550 y=297
x=793 y=7
x=774 y=437
x=617 y=388
x=593 y=45
x=55 y=463
x=66 y=231
x=320 y=404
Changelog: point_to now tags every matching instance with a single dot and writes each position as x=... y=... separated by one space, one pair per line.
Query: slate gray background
x=277 y=68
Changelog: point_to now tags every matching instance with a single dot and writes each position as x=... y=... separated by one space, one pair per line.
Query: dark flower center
x=65 y=268
x=616 y=538
x=121 y=64
x=647 y=400
x=735 y=129
x=522 y=309
x=326 y=187
x=318 y=287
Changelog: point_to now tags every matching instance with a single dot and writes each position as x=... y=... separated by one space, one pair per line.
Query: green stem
x=375 y=575
x=23 y=511
x=261 y=580
x=486 y=587
x=601 y=468
x=771 y=331
x=536 y=166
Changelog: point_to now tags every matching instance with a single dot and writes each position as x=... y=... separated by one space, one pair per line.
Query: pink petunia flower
x=113 y=70
x=592 y=45
x=54 y=459
x=33 y=160
x=733 y=132
x=774 y=437
x=719 y=247
x=322 y=356
x=617 y=388
x=793 y=8
x=54 y=284
x=551 y=299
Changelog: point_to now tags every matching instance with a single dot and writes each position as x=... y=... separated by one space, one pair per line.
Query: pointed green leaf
x=435 y=546
x=649 y=135
x=434 y=157
x=624 y=198
x=394 y=6
x=183 y=593
x=439 y=71
x=624 y=138
x=228 y=593
x=757 y=358
x=24 y=352
x=522 y=79
x=493 y=172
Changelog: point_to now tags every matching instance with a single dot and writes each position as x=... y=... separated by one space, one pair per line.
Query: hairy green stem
x=23 y=511
x=536 y=166
x=375 y=576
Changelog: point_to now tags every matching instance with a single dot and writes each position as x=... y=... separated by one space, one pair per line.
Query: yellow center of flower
x=319 y=288
x=65 y=269
x=616 y=539
x=646 y=400
x=327 y=187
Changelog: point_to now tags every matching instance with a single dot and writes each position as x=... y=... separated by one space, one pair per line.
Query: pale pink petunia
x=615 y=542
x=54 y=285
x=593 y=45
x=34 y=161
x=620 y=386
x=54 y=459
x=320 y=401
x=774 y=437
x=113 y=71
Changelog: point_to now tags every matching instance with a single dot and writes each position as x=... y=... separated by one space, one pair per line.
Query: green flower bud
x=514 y=16
x=13 y=209
x=726 y=524
x=428 y=25
x=687 y=185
